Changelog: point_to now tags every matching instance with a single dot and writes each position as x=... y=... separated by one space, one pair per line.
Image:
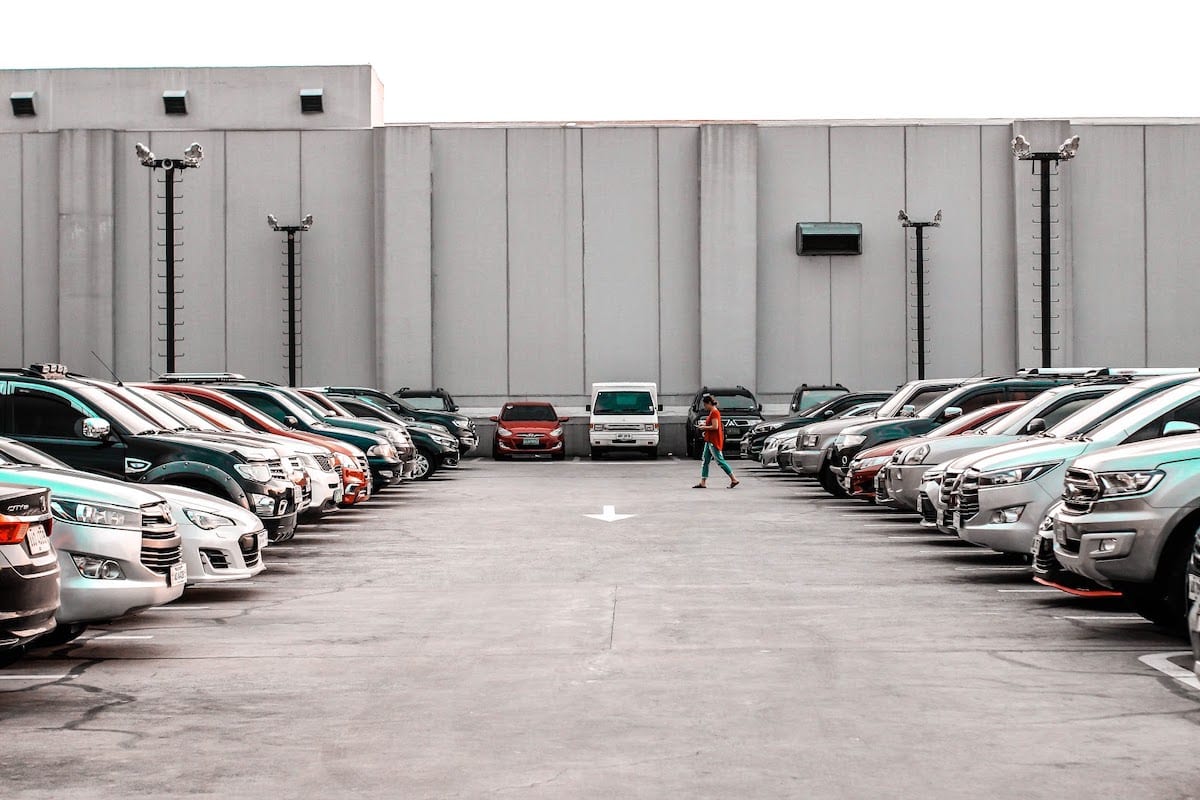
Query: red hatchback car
x=529 y=428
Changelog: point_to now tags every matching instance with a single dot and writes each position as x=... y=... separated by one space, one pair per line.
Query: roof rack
x=209 y=377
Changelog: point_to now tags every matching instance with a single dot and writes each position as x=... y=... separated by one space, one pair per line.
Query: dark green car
x=457 y=423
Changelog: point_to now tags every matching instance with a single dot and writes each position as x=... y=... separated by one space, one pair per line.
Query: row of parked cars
x=1092 y=475
x=116 y=496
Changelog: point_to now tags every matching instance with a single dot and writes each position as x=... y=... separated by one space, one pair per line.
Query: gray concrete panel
x=470 y=262
x=136 y=297
x=11 y=253
x=793 y=291
x=85 y=248
x=40 y=221
x=620 y=217
x=1109 y=270
x=729 y=254
x=942 y=172
x=545 y=261
x=1172 y=244
x=1043 y=135
x=337 y=265
x=868 y=291
x=262 y=176
x=679 y=259
x=199 y=248
x=998 y=287
x=403 y=256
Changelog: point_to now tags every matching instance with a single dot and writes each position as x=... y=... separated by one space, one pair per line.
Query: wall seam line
x=583 y=259
x=507 y=272
x=982 y=323
x=1145 y=257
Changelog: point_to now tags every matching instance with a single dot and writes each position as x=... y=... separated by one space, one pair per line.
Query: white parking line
x=915 y=538
x=179 y=608
x=1039 y=590
x=992 y=569
x=315 y=535
x=34 y=677
x=225 y=585
x=887 y=524
x=1110 y=618
x=1162 y=662
x=108 y=636
x=957 y=550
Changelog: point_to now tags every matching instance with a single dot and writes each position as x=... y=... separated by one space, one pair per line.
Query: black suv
x=752 y=442
x=28 y=569
x=458 y=424
x=740 y=412
x=80 y=423
x=809 y=396
x=428 y=399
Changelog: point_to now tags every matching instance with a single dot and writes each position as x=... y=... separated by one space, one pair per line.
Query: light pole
x=1065 y=152
x=920 y=227
x=190 y=159
x=291 y=231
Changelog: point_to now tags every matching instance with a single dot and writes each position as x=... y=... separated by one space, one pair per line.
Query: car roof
x=528 y=403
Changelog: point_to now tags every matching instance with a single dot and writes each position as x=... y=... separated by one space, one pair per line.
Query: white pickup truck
x=624 y=416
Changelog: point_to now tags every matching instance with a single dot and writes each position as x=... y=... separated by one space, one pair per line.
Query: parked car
x=228 y=412
x=428 y=399
x=807 y=398
x=454 y=421
x=29 y=571
x=811 y=456
x=755 y=439
x=1129 y=518
x=860 y=478
x=80 y=423
x=784 y=441
x=397 y=431
x=624 y=417
x=903 y=477
x=118 y=547
x=529 y=428
x=435 y=447
x=740 y=411
x=1194 y=610
x=999 y=496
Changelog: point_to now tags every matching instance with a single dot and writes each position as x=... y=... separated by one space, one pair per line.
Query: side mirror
x=588 y=408
x=1036 y=426
x=290 y=421
x=494 y=418
x=95 y=428
x=564 y=419
x=760 y=406
x=660 y=406
x=908 y=410
x=829 y=412
x=953 y=412
x=1178 y=427
x=454 y=406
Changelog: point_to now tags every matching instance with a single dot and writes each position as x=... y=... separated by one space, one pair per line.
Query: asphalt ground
x=480 y=636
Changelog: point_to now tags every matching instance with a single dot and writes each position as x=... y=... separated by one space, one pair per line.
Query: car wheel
x=595 y=453
x=829 y=481
x=496 y=454
x=652 y=452
x=61 y=635
x=1165 y=601
x=423 y=466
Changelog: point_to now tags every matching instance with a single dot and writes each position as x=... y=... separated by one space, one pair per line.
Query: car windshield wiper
x=1078 y=437
x=148 y=432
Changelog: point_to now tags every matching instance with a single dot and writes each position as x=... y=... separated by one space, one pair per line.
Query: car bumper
x=96 y=600
x=515 y=447
x=1132 y=535
x=214 y=559
x=27 y=603
x=807 y=462
x=1193 y=623
x=281 y=527
x=904 y=483
x=1015 y=537
x=632 y=440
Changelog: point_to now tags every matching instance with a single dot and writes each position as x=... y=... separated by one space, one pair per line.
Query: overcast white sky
x=618 y=60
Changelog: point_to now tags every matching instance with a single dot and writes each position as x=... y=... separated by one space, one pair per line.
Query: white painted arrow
x=610 y=515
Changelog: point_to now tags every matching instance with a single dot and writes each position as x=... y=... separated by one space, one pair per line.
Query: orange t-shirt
x=715 y=436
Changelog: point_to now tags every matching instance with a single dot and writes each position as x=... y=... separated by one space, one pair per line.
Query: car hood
x=1143 y=455
x=537 y=426
x=80 y=486
x=1023 y=453
x=948 y=448
x=213 y=442
x=180 y=497
x=830 y=426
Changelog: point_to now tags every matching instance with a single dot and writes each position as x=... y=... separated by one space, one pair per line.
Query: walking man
x=714 y=441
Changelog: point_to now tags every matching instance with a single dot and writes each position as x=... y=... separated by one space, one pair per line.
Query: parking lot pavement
x=480 y=635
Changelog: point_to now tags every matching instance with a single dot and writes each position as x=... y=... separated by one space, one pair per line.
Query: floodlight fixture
x=1020 y=147
x=1069 y=148
x=144 y=154
x=273 y=221
x=193 y=154
x=22 y=104
x=312 y=101
x=902 y=216
x=307 y=222
x=937 y=218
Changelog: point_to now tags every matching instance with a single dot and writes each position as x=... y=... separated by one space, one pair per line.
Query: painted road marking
x=107 y=636
x=993 y=569
x=1162 y=662
x=317 y=535
x=609 y=514
x=924 y=538
x=1109 y=618
x=958 y=550
x=886 y=524
x=35 y=677
x=1038 y=590
x=235 y=584
x=179 y=608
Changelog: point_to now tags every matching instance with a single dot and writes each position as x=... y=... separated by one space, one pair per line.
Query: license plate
x=263 y=541
x=38 y=541
x=623 y=439
x=1193 y=588
x=531 y=441
x=957 y=521
x=947 y=519
x=178 y=574
x=1060 y=533
x=1040 y=544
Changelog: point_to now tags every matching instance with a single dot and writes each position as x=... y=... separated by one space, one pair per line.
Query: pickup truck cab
x=624 y=417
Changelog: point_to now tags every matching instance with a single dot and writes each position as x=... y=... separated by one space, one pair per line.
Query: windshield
x=219 y=419
x=176 y=409
x=146 y=408
x=979 y=419
x=114 y=410
x=1088 y=419
x=811 y=398
x=860 y=410
x=16 y=453
x=426 y=403
x=1015 y=423
x=633 y=403
x=735 y=402
x=303 y=408
x=924 y=395
x=363 y=409
x=539 y=413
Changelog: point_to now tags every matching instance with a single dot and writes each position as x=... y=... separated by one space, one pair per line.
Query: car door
x=1185 y=412
x=51 y=420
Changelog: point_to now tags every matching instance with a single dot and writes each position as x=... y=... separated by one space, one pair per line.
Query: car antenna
x=111 y=371
x=154 y=372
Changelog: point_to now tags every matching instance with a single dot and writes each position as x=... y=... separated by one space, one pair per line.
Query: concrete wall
x=503 y=261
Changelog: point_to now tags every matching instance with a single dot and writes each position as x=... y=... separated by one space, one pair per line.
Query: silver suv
x=1128 y=520
x=997 y=498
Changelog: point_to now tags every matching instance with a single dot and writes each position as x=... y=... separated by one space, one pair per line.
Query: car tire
x=1165 y=602
x=497 y=455
x=560 y=455
x=595 y=453
x=61 y=635
x=652 y=453
x=829 y=481
x=426 y=465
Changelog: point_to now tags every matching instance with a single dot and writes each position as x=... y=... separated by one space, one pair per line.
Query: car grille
x=324 y=462
x=276 y=469
x=949 y=485
x=622 y=426
x=881 y=492
x=1080 y=491
x=968 y=494
x=248 y=544
x=925 y=506
x=338 y=469
x=216 y=558
x=160 y=538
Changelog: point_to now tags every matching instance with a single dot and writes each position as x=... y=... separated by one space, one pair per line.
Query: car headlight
x=867 y=463
x=916 y=455
x=385 y=451
x=933 y=475
x=650 y=426
x=598 y=426
x=463 y=423
x=206 y=520
x=346 y=461
x=503 y=432
x=94 y=514
x=767 y=427
x=394 y=437
x=1007 y=477
x=810 y=440
x=446 y=441
x=851 y=440
x=1117 y=484
x=557 y=432
x=258 y=471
